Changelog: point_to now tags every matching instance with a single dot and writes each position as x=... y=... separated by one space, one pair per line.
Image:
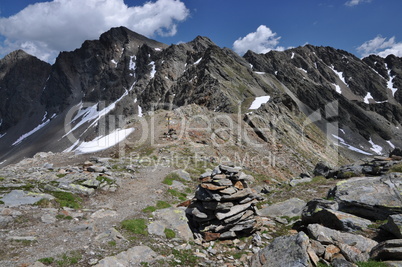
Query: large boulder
x=285 y=251
x=290 y=208
x=394 y=225
x=325 y=212
x=373 y=198
x=353 y=247
x=387 y=250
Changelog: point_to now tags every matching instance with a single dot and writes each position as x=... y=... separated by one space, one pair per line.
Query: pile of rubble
x=224 y=205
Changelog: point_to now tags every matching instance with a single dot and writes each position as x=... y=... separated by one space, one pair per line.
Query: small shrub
x=136 y=226
x=169 y=233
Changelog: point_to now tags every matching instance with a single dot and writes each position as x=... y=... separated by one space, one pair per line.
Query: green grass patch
x=112 y=243
x=66 y=199
x=171 y=177
x=47 y=261
x=396 y=168
x=149 y=209
x=63 y=217
x=136 y=226
x=44 y=203
x=103 y=179
x=2 y=178
x=371 y=263
x=377 y=224
x=169 y=233
x=159 y=205
x=1 y=202
x=162 y=205
x=185 y=256
x=69 y=259
x=61 y=175
x=179 y=195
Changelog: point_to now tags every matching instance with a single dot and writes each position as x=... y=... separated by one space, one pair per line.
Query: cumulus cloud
x=356 y=2
x=43 y=29
x=381 y=46
x=261 y=41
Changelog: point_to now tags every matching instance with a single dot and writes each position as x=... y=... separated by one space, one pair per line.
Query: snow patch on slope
x=390 y=84
x=339 y=74
x=376 y=148
x=103 y=142
x=26 y=135
x=350 y=147
x=153 y=70
x=258 y=101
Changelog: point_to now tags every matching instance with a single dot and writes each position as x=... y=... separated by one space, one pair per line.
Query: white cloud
x=356 y=2
x=381 y=46
x=43 y=29
x=261 y=41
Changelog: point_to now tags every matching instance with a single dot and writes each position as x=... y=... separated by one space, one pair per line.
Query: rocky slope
x=126 y=74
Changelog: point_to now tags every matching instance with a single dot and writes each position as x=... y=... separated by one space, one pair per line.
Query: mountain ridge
x=130 y=74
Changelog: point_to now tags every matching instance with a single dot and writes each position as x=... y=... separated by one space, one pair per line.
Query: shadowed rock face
x=22 y=80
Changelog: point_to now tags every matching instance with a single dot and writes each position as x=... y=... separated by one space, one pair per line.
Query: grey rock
x=156 y=228
x=91 y=183
x=321 y=169
x=222 y=182
x=219 y=206
x=76 y=188
x=238 y=195
x=206 y=174
x=175 y=219
x=132 y=257
x=95 y=168
x=178 y=185
x=183 y=175
x=228 y=235
x=228 y=191
x=19 y=197
x=289 y=251
x=233 y=211
x=353 y=246
x=387 y=250
x=48 y=218
x=5 y=220
x=394 y=225
x=373 y=198
x=290 y=208
x=336 y=220
x=230 y=170
x=109 y=235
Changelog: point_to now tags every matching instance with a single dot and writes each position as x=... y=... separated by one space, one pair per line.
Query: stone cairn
x=224 y=205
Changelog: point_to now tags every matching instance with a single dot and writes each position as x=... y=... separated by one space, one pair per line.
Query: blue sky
x=362 y=27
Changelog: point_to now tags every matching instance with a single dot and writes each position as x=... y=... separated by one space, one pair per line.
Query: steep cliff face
x=22 y=80
x=367 y=91
x=124 y=73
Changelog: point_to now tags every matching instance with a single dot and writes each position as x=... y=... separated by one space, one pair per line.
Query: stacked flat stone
x=224 y=205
